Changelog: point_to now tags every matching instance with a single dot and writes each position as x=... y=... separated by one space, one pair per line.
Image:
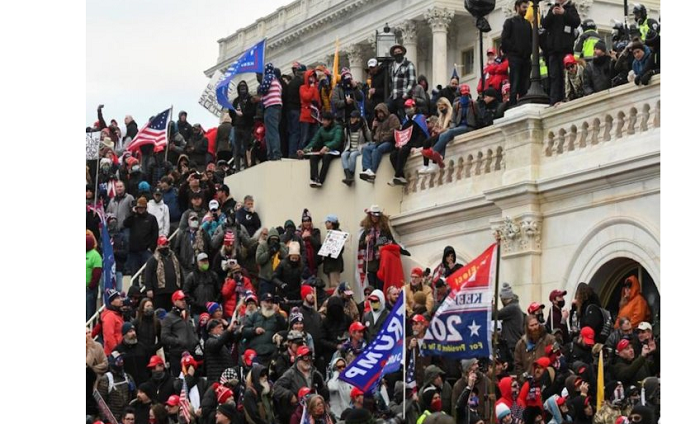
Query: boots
x=349 y=178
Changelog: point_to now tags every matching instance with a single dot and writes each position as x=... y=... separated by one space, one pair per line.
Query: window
x=496 y=44
x=468 y=61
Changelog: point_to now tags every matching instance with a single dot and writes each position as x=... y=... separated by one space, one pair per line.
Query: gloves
x=647 y=77
x=637 y=79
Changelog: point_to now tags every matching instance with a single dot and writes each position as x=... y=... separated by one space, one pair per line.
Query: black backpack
x=607 y=321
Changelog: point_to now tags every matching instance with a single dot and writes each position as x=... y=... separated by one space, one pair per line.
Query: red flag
x=479 y=266
x=403 y=137
x=211 y=136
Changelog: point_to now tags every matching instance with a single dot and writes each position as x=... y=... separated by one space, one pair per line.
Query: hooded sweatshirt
x=374 y=319
x=636 y=309
x=449 y=250
x=308 y=96
x=257 y=404
x=506 y=392
x=551 y=406
x=384 y=133
x=339 y=390
x=162 y=213
x=245 y=104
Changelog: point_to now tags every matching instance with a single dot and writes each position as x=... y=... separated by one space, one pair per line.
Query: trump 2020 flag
x=251 y=61
x=461 y=326
x=109 y=268
x=383 y=355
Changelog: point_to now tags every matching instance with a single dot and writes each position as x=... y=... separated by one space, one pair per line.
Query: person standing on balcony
x=517 y=45
x=560 y=23
x=585 y=45
x=242 y=114
x=310 y=101
x=292 y=100
x=403 y=79
x=375 y=93
x=270 y=89
x=346 y=97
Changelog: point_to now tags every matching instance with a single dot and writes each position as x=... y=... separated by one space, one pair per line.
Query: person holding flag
x=93 y=273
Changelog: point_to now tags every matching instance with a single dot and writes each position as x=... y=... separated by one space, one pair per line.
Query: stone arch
x=619 y=237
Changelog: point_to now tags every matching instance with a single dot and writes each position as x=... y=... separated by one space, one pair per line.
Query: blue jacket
x=638 y=65
x=170 y=199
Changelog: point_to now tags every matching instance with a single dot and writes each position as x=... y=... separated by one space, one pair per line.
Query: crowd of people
x=233 y=321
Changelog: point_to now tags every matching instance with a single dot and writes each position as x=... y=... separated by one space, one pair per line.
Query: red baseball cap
x=248 y=357
x=490 y=50
x=622 y=345
x=303 y=351
x=556 y=293
x=356 y=326
x=464 y=89
x=306 y=290
x=173 y=400
x=409 y=103
x=155 y=360
x=543 y=362
x=303 y=392
x=419 y=318
x=561 y=400
x=588 y=336
x=178 y=295
x=534 y=306
x=417 y=271
x=355 y=392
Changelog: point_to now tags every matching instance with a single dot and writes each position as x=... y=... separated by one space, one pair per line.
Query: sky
x=143 y=57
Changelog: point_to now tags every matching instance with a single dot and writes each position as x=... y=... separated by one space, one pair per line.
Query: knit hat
x=228 y=410
x=305 y=216
x=228 y=374
x=126 y=327
x=228 y=238
x=142 y=202
x=289 y=223
x=149 y=389
x=306 y=290
x=428 y=394
x=502 y=411
x=466 y=364
x=600 y=45
x=111 y=295
x=295 y=317
x=222 y=393
x=212 y=307
x=507 y=292
x=294 y=248
x=204 y=319
x=144 y=186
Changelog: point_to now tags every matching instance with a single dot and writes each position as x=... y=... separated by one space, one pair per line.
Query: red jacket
x=231 y=297
x=111 y=329
x=497 y=75
x=308 y=95
x=390 y=269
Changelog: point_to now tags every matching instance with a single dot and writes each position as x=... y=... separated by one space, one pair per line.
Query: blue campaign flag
x=109 y=268
x=461 y=327
x=383 y=355
x=252 y=60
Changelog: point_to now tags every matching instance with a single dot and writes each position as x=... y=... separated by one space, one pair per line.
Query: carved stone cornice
x=522 y=235
x=438 y=18
x=409 y=33
x=582 y=7
x=354 y=52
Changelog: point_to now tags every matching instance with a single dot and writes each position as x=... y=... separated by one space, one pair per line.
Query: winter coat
x=638 y=65
x=256 y=405
x=262 y=343
x=186 y=251
x=112 y=322
x=525 y=357
x=201 y=287
x=144 y=232
x=390 y=268
x=312 y=322
x=333 y=327
x=185 y=129
x=136 y=358
x=263 y=257
x=495 y=74
x=223 y=137
x=251 y=221
x=339 y=391
x=363 y=134
x=288 y=277
x=446 y=394
x=147 y=332
x=516 y=38
x=410 y=292
x=217 y=356
x=460 y=399
x=170 y=267
x=162 y=213
x=164 y=387
x=374 y=320
x=550 y=406
x=231 y=293
x=560 y=29
x=308 y=96
x=512 y=319
x=120 y=207
x=95 y=357
x=178 y=335
x=384 y=132
x=123 y=390
x=131 y=130
x=340 y=106
x=636 y=309
x=331 y=137
x=598 y=74
x=631 y=372
x=289 y=384
x=244 y=102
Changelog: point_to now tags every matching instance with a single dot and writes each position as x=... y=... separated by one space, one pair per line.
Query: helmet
x=588 y=24
x=409 y=103
x=639 y=9
x=569 y=59
x=464 y=89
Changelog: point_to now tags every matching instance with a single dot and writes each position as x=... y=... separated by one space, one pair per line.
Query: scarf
x=197 y=240
x=268 y=77
x=160 y=270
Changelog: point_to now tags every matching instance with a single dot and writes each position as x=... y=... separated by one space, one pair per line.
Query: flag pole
x=494 y=335
x=167 y=134
x=97 y=174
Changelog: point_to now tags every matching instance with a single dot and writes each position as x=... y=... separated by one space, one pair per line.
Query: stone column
x=410 y=40
x=357 y=65
x=439 y=19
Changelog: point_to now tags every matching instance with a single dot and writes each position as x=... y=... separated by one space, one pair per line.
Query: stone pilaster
x=354 y=52
x=439 y=20
x=410 y=40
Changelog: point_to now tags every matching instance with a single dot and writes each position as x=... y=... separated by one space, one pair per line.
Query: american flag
x=155 y=132
x=305 y=416
x=184 y=401
x=411 y=372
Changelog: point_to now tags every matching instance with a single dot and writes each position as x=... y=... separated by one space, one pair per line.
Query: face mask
x=165 y=250
x=243 y=91
x=112 y=226
x=540 y=318
x=436 y=405
x=398 y=58
x=158 y=375
x=148 y=312
x=375 y=305
x=194 y=224
x=443 y=110
x=203 y=267
x=410 y=112
x=561 y=303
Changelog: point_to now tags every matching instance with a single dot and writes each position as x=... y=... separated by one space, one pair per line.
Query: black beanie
x=228 y=410
x=150 y=390
x=358 y=416
x=600 y=45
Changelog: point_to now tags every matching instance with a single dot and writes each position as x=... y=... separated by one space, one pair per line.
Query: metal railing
x=93 y=319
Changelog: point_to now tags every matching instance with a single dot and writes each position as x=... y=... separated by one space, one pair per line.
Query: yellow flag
x=530 y=14
x=336 y=64
x=601 y=384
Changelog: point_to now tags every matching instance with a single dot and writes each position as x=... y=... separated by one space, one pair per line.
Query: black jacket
x=136 y=358
x=202 y=287
x=288 y=277
x=517 y=37
x=312 y=322
x=178 y=335
x=217 y=356
x=247 y=107
x=185 y=129
x=598 y=75
x=148 y=332
x=150 y=276
x=131 y=130
x=251 y=221
x=144 y=232
x=164 y=387
x=292 y=101
x=560 y=29
x=333 y=327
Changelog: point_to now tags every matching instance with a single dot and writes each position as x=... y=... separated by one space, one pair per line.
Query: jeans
x=372 y=155
x=136 y=260
x=308 y=130
x=448 y=136
x=555 y=70
x=348 y=158
x=90 y=303
x=326 y=159
x=294 y=131
x=519 y=72
x=272 y=132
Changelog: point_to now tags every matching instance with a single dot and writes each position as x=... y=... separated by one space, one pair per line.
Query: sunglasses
x=569 y=67
x=306 y=358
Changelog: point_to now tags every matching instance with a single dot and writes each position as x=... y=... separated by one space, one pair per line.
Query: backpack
x=608 y=323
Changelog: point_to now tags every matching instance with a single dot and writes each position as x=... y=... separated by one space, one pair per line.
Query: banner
x=109 y=267
x=251 y=61
x=333 y=244
x=461 y=327
x=208 y=97
x=403 y=137
x=383 y=355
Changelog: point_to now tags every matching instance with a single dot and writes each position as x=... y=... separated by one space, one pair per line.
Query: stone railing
x=476 y=161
